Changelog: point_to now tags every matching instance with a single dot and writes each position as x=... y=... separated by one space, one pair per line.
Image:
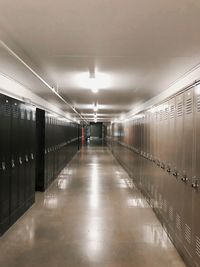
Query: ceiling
x=142 y=46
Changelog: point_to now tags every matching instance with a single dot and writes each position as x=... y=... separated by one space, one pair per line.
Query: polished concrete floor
x=91 y=216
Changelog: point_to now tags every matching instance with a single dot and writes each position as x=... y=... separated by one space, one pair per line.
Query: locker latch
x=162 y=165
x=158 y=162
x=26 y=158
x=195 y=182
x=3 y=166
x=20 y=160
x=168 y=168
x=12 y=163
x=184 y=177
x=175 y=172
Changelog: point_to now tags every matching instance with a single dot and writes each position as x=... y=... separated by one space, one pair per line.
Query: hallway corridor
x=91 y=216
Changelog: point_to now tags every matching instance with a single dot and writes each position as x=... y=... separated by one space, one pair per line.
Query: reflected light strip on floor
x=94 y=198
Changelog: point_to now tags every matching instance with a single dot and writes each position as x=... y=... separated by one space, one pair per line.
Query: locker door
x=5 y=120
x=196 y=180
x=171 y=180
x=163 y=160
x=21 y=159
x=178 y=186
x=187 y=168
x=32 y=154
x=27 y=155
x=14 y=178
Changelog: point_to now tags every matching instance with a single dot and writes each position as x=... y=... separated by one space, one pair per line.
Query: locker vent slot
x=161 y=115
x=165 y=205
x=188 y=107
x=171 y=213
x=178 y=222
x=15 y=112
x=6 y=110
x=22 y=114
x=166 y=114
x=187 y=233
x=198 y=246
x=198 y=103
x=172 y=111
x=180 y=109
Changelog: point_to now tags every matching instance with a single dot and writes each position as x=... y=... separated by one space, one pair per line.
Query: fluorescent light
x=94 y=83
x=95 y=107
x=95 y=91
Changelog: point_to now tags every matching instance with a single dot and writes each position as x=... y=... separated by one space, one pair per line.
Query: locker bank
x=100 y=133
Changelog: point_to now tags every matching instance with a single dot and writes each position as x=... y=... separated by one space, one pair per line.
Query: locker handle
x=175 y=173
x=13 y=163
x=168 y=168
x=195 y=182
x=20 y=160
x=32 y=156
x=26 y=158
x=162 y=165
x=3 y=166
x=184 y=178
x=158 y=163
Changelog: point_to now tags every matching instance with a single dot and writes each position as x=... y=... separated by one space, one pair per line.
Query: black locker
x=32 y=155
x=59 y=144
x=5 y=121
x=14 y=173
x=21 y=159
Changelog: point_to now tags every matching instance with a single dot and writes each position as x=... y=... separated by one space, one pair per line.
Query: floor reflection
x=91 y=216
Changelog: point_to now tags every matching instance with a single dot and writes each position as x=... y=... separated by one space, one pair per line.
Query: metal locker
x=32 y=154
x=5 y=120
x=187 y=171
x=27 y=156
x=162 y=160
x=170 y=181
x=196 y=179
x=14 y=178
x=177 y=195
x=21 y=158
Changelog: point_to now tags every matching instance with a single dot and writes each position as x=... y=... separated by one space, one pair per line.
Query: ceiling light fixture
x=94 y=82
x=95 y=107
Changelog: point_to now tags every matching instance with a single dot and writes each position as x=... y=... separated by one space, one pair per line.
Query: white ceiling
x=142 y=46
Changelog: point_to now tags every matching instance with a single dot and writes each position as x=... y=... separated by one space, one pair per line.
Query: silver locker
x=196 y=178
x=178 y=165
x=187 y=172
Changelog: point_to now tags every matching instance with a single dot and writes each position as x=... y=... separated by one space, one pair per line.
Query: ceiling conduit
x=42 y=80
